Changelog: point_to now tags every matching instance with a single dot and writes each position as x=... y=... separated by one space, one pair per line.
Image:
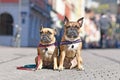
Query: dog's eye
x=67 y=26
x=77 y=27
x=41 y=32
x=49 y=32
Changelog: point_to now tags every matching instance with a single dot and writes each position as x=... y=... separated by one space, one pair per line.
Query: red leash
x=30 y=69
x=23 y=68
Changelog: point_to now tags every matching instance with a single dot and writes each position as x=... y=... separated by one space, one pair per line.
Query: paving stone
x=99 y=64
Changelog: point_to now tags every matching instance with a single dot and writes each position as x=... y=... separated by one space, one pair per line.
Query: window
x=6 y=24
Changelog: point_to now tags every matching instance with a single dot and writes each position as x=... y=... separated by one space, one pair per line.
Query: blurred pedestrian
x=117 y=30
x=105 y=25
x=118 y=15
x=92 y=33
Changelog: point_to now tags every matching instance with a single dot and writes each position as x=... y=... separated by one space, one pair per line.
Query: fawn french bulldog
x=47 y=49
x=71 y=45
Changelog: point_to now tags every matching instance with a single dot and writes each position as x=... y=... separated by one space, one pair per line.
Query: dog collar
x=70 y=42
x=41 y=45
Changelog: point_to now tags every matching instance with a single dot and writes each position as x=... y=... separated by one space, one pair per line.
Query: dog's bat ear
x=66 y=20
x=41 y=27
x=80 y=21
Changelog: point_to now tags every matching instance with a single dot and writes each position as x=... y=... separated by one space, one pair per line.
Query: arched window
x=6 y=24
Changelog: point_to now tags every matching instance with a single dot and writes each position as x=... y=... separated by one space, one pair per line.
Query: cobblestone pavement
x=99 y=64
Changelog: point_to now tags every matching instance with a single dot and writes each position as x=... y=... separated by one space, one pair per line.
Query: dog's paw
x=81 y=68
x=55 y=68
x=39 y=67
x=61 y=68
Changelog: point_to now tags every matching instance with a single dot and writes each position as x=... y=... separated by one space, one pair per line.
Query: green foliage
x=101 y=8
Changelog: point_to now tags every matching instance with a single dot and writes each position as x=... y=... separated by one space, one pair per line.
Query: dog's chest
x=73 y=47
x=48 y=51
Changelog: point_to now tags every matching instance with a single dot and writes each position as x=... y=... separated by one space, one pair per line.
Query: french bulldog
x=70 y=49
x=47 y=49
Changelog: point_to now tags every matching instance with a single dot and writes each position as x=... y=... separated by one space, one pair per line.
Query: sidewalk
x=100 y=64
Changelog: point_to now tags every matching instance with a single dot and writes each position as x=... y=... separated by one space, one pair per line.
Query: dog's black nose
x=46 y=49
x=72 y=46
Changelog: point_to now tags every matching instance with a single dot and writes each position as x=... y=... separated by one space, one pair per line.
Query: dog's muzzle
x=45 y=38
x=72 y=33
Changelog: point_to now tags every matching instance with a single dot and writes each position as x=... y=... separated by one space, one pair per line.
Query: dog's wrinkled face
x=47 y=35
x=72 y=29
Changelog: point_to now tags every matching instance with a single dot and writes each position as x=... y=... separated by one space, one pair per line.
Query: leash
x=30 y=69
x=24 y=68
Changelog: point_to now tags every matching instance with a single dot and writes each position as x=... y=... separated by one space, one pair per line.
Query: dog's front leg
x=79 y=60
x=62 y=57
x=55 y=63
x=39 y=60
x=55 y=59
x=39 y=63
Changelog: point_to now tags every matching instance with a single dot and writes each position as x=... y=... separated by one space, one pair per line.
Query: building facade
x=22 y=18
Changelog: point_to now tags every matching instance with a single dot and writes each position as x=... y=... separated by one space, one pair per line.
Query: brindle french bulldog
x=70 y=54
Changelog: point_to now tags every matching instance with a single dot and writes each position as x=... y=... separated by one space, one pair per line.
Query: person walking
x=105 y=24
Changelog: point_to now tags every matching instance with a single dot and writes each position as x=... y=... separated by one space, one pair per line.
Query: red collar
x=41 y=45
